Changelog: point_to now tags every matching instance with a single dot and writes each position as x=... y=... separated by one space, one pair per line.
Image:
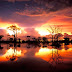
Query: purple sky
x=35 y=16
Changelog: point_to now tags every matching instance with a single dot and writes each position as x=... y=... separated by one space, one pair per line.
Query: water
x=35 y=58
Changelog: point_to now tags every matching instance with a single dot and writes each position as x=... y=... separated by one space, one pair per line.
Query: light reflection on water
x=49 y=54
x=55 y=56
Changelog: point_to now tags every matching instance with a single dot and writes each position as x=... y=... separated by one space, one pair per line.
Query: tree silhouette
x=14 y=29
x=1 y=37
x=56 y=58
x=19 y=40
x=57 y=36
x=44 y=39
x=11 y=39
x=39 y=39
x=28 y=38
x=34 y=39
x=54 y=30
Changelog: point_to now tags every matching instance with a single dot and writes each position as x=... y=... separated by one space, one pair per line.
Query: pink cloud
x=32 y=32
x=36 y=11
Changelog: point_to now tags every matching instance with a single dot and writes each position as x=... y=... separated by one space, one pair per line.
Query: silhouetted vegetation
x=55 y=33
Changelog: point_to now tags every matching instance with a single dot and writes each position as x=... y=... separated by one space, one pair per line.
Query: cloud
x=32 y=32
x=43 y=7
x=29 y=32
x=35 y=13
x=67 y=13
x=2 y=32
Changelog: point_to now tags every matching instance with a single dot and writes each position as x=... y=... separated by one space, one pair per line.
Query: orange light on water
x=11 y=53
x=44 y=53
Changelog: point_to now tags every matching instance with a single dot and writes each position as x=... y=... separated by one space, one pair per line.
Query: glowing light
x=12 y=52
x=10 y=32
x=13 y=29
x=45 y=53
x=42 y=31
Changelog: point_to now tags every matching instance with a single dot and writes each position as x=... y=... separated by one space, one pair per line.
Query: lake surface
x=33 y=58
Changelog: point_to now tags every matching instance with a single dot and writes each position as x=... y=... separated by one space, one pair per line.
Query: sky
x=34 y=17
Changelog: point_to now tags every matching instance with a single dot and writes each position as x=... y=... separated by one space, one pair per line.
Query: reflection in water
x=12 y=54
x=1 y=46
x=54 y=56
x=35 y=59
x=50 y=54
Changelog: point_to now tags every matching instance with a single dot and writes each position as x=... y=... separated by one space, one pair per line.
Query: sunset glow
x=12 y=33
x=42 y=31
x=9 y=54
x=35 y=35
x=46 y=53
x=13 y=29
x=12 y=52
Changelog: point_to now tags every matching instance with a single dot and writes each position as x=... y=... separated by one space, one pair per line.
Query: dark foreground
x=36 y=59
x=34 y=65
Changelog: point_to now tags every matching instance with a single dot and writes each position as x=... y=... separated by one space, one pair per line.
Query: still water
x=33 y=58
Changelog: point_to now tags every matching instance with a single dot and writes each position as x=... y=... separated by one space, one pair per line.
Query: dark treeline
x=35 y=40
x=54 y=38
